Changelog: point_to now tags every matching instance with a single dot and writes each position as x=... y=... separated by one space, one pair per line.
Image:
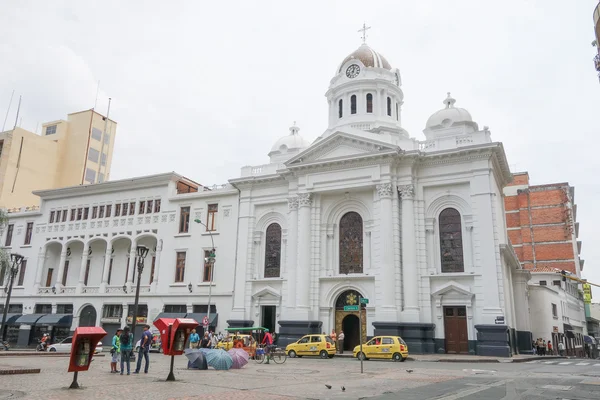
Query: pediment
x=453 y=289
x=341 y=146
x=266 y=293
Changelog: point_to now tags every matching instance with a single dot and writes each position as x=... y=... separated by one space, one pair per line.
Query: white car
x=64 y=346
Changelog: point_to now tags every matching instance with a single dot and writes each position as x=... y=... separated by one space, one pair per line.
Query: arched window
x=351 y=244
x=340 y=108
x=389 y=106
x=451 y=249
x=353 y=104
x=273 y=251
x=397 y=113
x=369 y=103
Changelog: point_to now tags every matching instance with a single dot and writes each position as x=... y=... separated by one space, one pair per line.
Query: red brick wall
x=541 y=206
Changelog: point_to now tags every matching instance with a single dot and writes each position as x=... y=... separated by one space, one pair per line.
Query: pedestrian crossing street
x=578 y=363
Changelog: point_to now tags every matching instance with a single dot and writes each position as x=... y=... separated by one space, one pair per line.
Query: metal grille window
x=451 y=241
x=175 y=308
x=351 y=244
x=273 y=251
x=64 y=308
x=112 y=311
x=51 y=130
x=43 y=308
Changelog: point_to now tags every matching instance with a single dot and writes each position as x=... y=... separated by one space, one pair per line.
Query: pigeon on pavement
x=343 y=389
x=409 y=370
x=328 y=386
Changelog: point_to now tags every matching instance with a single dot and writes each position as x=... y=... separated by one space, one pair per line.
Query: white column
x=409 y=255
x=40 y=268
x=61 y=268
x=292 y=251
x=367 y=251
x=132 y=267
x=387 y=310
x=430 y=248
x=244 y=241
x=106 y=268
x=158 y=253
x=82 y=268
x=304 y=251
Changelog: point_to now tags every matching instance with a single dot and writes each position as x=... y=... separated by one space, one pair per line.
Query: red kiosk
x=174 y=333
x=82 y=350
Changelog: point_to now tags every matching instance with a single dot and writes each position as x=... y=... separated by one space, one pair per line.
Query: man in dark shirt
x=144 y=351
x=205 y=343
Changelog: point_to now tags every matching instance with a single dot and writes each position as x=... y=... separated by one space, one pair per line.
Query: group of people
x=338 y=339
x=122 y=349
x=208 y=341
x=545 y=348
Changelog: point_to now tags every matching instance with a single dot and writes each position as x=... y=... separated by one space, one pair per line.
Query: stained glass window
x=351 y=244
x=273 y=251
x=348 y=298
x=451 y=241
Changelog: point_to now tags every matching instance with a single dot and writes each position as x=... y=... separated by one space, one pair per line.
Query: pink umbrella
x=239 y=356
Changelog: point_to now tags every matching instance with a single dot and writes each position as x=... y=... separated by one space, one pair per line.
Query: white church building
x=416 y=227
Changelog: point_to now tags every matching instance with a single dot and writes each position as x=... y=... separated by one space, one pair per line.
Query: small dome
x=448 y=116
x=293 y=141
x=369 y=58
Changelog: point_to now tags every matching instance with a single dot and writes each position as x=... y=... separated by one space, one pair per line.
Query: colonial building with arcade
x=365 y=210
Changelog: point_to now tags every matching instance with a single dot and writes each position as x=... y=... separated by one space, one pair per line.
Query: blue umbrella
x=219 y=359
x=196 y=359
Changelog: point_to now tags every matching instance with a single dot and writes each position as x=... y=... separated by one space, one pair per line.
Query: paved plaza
x=307 y=378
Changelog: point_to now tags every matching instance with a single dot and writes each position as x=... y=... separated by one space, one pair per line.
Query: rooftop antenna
x=7 y=111
x=97 y=91
x=18 y=111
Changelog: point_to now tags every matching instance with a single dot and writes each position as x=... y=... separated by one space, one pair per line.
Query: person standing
x=144 y=350
x=213 y=341
x=194 y=339
x=126 y=345
x=549 y=347
x=561 y=348
x=205 y=343
x=340 y=338
x=115 y=351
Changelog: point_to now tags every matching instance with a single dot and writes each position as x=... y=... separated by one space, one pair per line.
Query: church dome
x=448 y=116
x=368 y=56
x=293 y=141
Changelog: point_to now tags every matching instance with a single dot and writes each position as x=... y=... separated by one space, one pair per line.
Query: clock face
x=353 y=71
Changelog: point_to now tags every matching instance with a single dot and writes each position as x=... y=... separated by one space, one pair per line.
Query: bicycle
x=277 y=354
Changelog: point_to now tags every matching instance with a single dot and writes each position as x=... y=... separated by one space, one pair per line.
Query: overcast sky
x=204 y=88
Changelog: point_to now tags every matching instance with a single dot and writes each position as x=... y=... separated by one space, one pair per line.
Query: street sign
x=205 y=321
x=364 y=301
x=350 y=308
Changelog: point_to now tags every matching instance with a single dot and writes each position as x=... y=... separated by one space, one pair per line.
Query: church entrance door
x=348 y=321
x=351 y=326
x=456 y=332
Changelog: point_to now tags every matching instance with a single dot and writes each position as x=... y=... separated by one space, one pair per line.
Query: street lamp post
x=211 y=260
x=16 y=260
x=142 y=251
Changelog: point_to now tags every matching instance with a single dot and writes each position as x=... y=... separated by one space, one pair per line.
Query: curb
x=19 y=371
x=40 y=354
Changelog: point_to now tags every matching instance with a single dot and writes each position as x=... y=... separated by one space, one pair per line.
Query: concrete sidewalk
x=467 y=358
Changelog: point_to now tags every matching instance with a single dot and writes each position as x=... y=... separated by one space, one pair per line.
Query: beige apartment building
x=69 y=152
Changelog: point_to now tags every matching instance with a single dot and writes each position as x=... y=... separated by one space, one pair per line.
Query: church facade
x=417 y=228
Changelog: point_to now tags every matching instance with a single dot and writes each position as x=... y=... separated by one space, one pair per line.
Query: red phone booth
x=174 y=333
x=83 y=346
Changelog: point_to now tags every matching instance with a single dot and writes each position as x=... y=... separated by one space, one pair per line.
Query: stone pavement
x=296 y=379
x=468 y=358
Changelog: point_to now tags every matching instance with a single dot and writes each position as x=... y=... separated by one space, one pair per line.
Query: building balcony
x=55 y=291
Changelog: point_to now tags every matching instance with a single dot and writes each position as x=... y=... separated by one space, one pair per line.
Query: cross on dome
x=364 y=30
x=294 y=129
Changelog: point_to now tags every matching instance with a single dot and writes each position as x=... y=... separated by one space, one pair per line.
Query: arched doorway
x=350 y=326
x=87 y=317
x=347 y=318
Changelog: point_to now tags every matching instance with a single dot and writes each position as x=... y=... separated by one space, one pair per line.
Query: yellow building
x=67 y=153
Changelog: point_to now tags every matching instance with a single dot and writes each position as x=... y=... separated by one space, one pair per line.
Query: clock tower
x=365 y=94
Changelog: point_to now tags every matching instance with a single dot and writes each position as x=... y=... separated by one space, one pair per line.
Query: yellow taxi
x=391 y=347
x=312 y=345
x=229 y=342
